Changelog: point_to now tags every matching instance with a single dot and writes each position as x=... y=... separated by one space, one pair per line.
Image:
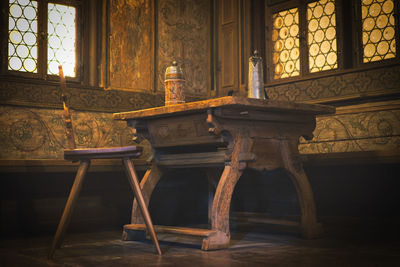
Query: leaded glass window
x=22 y=35
x=26 y=38
x=322 y=47
x=286 y=44
x=292 y=42
x=61 y=39
x=378 y=30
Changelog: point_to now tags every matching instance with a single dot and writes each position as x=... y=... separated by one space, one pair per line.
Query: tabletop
x=223 y=102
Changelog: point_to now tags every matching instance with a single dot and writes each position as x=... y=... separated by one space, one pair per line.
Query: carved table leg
x=309 y=226
x=147 y=184
x=213 y=175
x=222 y=200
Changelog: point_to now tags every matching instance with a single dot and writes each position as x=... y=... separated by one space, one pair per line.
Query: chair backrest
x=69 y=131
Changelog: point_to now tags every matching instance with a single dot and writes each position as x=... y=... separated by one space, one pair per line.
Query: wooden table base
x=235 y=134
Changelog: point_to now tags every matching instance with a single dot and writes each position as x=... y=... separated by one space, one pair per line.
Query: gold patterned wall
x=141 y=47
x=31 y=125
x=351 y=85
x=184 y=35
x=38 y=133
x=130 y=44
x=374 y=130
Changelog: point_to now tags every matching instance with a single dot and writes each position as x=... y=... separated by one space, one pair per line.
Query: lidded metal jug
x=256 y=78
x=174 y=85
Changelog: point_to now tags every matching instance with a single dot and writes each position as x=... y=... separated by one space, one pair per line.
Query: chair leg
x=73 y=196
x=130 y=170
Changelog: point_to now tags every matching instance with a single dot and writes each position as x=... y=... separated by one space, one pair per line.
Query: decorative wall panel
x=45 y=95
x=227 y=54
x=131 y=42
x=228 y=69
x=184 y=36
x=349 y=85
x=35 y=133
x=366 y=131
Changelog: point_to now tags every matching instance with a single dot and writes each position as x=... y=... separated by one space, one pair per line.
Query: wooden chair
x=85 y=156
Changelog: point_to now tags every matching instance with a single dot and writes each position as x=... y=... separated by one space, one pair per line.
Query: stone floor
x=357 y=244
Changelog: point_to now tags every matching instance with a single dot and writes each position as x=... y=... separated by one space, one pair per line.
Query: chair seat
x=103 y=153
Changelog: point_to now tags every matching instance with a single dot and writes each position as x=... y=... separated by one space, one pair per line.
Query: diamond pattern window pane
x=285 y=39
x=61 y=39
x=22 y=35
x=322 y=49
x=378 y=30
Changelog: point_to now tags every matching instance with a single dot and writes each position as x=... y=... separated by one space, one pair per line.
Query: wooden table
x=232 y=132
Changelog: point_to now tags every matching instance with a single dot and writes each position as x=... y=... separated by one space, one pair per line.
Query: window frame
x=83 y=27
x=303 y=44
x=358 y=43
x=349 y=40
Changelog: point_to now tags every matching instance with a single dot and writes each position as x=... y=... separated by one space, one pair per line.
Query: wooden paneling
x=366 y=127
x=34 y=133
x=48 y=95
x=131 y=44
x=184 y=35
x=228 y=10
x=228 y=50
x=347 y=85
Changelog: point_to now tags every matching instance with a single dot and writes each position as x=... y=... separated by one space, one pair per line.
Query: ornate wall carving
x=184 y=35
x=49 y=96
x=131 y=44
x=385 y=80
x=35 y=133
x=382 y=81
x=365 y=131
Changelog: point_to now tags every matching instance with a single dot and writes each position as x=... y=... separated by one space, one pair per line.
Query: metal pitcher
x=256 y=79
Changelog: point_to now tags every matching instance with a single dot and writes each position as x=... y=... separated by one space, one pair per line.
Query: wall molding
x=37 y=133
x=28 y=94
x=357 y=128
x=352 y=85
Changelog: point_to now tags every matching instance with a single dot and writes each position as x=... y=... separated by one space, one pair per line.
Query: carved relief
x=184 y=36
x=366 y=131
x=19 y=93
x=376 y=81
x=163 y=131
x=34 y=133
x=174 y=130
x=28 y=133
x=130 y=44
